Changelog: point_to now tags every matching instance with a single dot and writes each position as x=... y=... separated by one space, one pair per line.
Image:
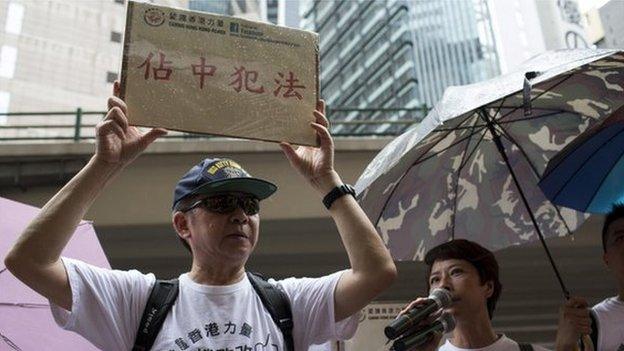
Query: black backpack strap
x=595 y=327
x=525 y=347
x=163 y=296
x=278 y=305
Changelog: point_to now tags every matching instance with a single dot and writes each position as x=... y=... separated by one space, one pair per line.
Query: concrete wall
x=143 y=193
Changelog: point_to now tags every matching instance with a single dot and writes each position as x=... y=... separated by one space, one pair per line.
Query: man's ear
x=489 y=289
x=180 y=224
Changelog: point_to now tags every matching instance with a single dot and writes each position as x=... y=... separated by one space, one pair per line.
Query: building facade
x=612 y=18
x=525 y=28
x=561 y=23
x=280 y=12
x=517 y=31
x=58 y=55
x=61 y=55
x=248 y=9
x=377 y=56
x=593 y=28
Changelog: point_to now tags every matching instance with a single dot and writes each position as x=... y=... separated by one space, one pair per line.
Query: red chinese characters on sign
x=202 y=70
x=163 y=72
x=244 y=77
x=289 y=87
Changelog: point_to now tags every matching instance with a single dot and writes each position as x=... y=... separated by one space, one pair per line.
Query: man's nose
x=239 y=216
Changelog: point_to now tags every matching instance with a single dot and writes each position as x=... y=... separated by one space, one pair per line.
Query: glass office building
x=387 y=54
x=275 y=11
x=249 y=9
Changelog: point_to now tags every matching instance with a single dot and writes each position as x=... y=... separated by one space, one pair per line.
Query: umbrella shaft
x=501 y=150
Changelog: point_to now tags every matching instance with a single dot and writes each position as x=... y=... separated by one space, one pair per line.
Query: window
x=8 y=56
x=120 y=1
x=346 y=15
x=5 y=99
x=323 y=8
x=111 y=77
x=14 y=18
x=115 y=37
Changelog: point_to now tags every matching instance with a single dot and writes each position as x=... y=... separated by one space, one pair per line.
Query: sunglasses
x=227 y=203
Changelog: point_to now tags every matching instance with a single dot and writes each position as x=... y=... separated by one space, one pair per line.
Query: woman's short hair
x=481 y=258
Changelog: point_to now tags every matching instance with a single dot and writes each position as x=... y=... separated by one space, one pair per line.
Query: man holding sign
x=215 y=213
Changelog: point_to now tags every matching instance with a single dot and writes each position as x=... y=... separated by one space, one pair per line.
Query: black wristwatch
x=336 y=193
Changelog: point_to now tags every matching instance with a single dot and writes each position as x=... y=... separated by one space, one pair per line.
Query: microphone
x=444 y=324
x=439 y=298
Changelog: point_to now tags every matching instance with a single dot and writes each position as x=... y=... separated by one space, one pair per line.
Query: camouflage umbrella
x=470 y=169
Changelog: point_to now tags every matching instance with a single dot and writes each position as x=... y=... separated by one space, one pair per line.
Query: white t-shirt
x=502 y=344
x=610 y=317
x=108 y=305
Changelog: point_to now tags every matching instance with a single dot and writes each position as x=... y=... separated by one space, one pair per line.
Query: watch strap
x=336 y=193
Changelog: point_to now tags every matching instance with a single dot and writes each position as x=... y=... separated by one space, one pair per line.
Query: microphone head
x=448 y=322
x=442 y=297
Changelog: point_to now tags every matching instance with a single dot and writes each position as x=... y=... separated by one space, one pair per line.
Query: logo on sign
x=154 y=17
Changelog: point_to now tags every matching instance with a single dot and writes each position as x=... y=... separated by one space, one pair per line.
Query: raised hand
x=118 y=143
x=574 y=321
x=316 y=164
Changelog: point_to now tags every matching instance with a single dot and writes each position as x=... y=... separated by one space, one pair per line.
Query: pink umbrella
x=26 y=322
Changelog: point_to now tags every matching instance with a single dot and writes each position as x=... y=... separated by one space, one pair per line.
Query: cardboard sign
x=199 y=72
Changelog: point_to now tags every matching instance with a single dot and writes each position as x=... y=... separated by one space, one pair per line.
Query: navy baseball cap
x=219 y=175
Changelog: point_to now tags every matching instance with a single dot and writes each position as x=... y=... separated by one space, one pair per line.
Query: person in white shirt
x=607 y=329
x=470 y=273
x=215 y=214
